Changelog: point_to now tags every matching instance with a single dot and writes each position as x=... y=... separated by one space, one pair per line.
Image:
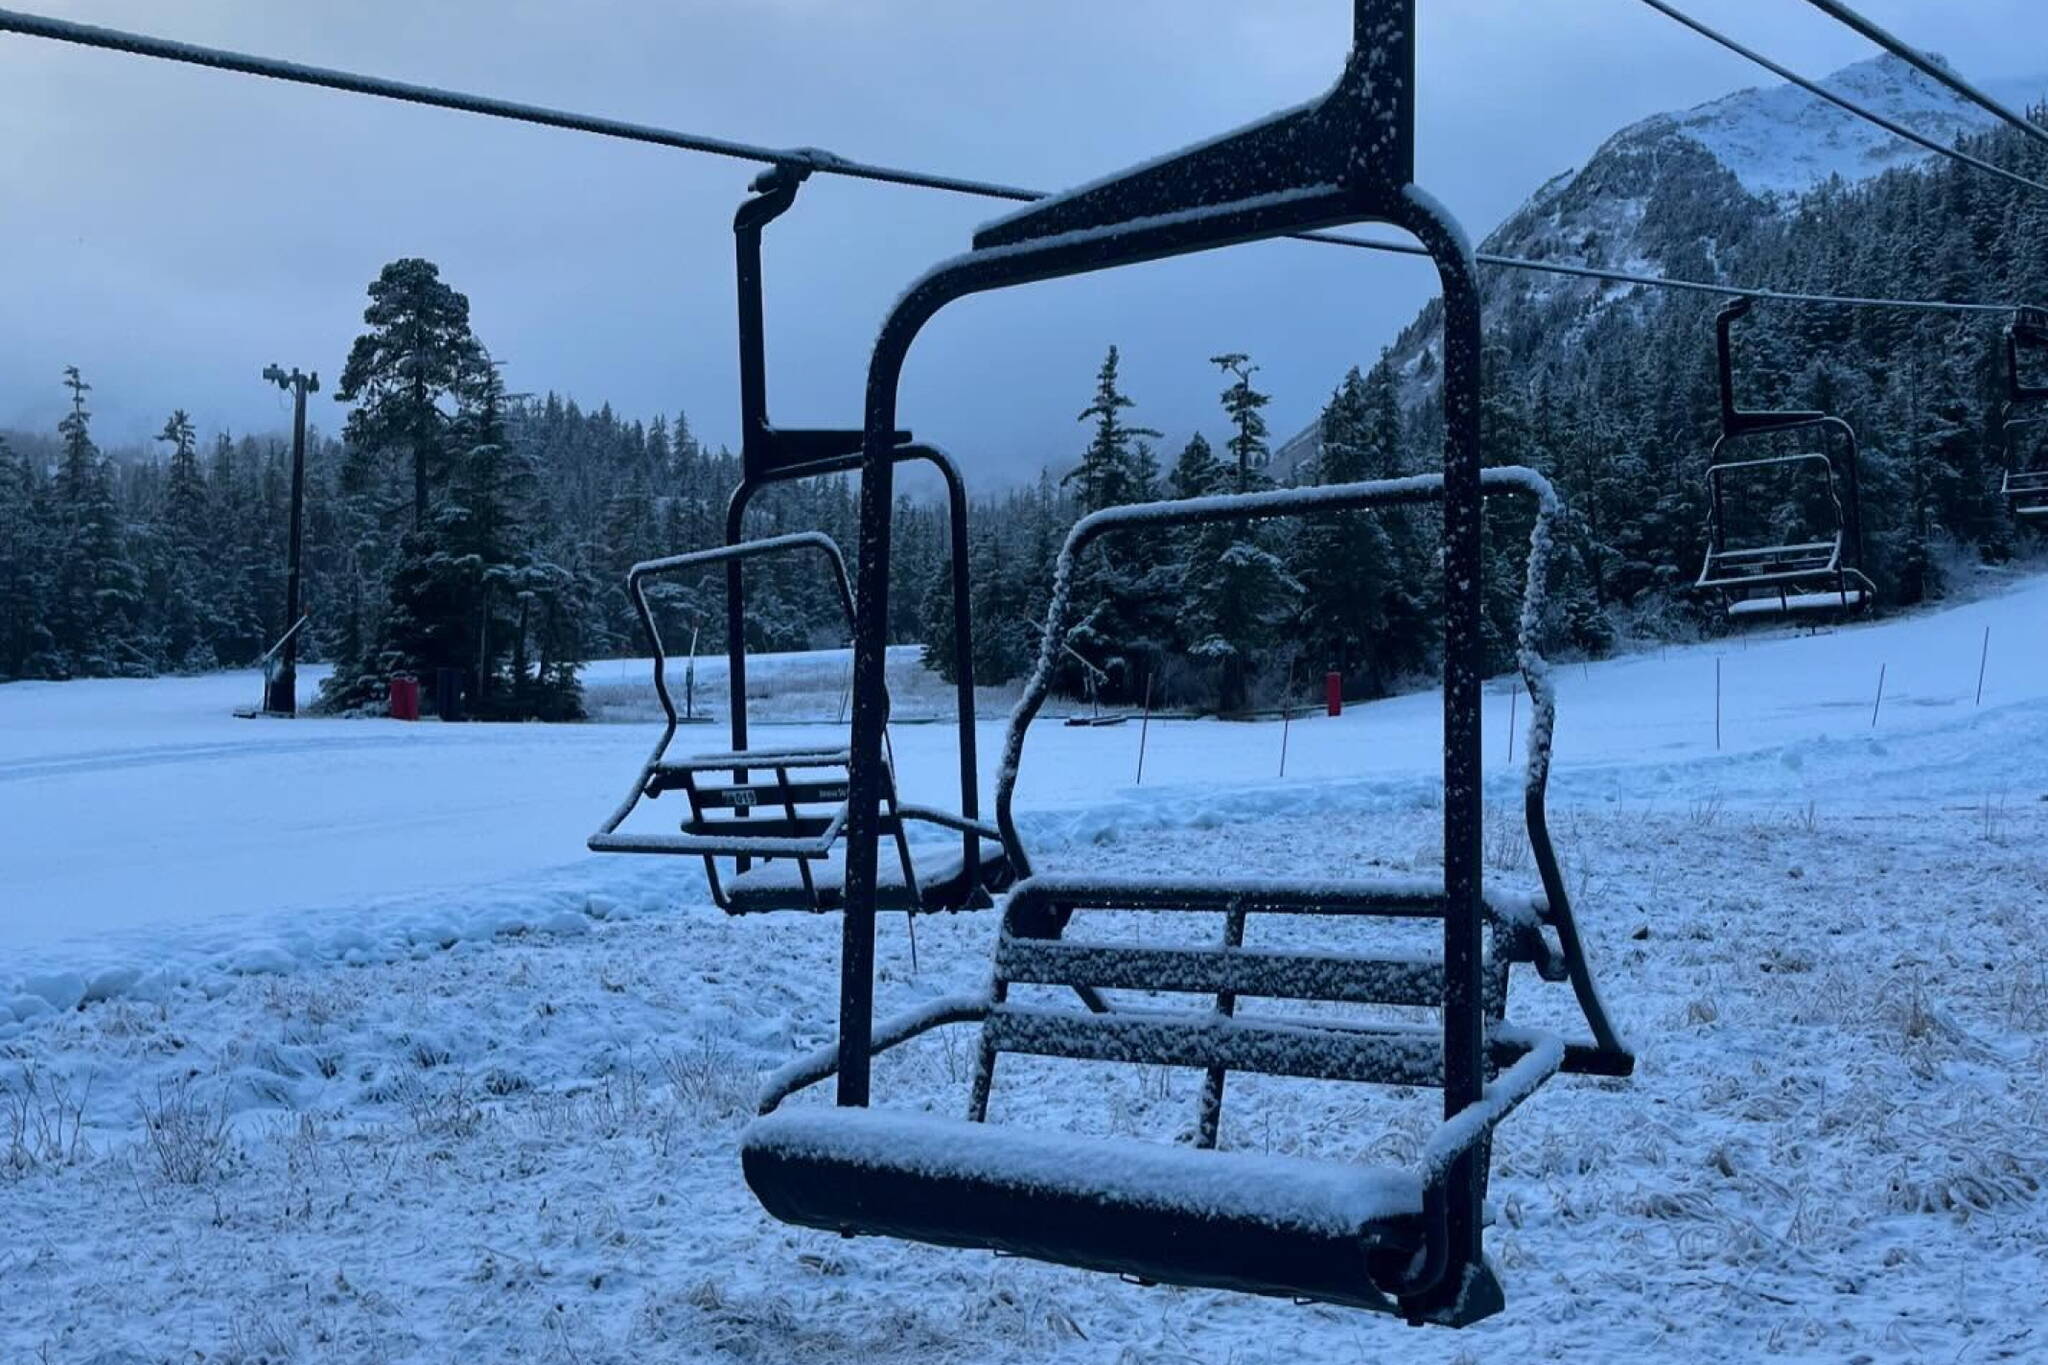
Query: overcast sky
x=171 y=230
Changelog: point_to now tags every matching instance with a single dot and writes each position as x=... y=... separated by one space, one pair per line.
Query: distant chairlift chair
x=770 y=824
x=1776 y=577
x=2026 y=474
x=1405 y=1240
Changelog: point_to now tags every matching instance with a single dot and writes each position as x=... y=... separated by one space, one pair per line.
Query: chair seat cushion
x=1180 y=1215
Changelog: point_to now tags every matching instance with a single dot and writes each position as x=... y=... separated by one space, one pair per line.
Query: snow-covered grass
x=1834 y=1147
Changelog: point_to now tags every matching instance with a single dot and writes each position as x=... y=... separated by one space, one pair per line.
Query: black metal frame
x=1748 y=579
x=1346 y=158
x=771 y=455
x=2025 y=489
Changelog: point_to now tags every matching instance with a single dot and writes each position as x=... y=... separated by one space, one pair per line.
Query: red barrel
x=405 y=698
x=1333 y=692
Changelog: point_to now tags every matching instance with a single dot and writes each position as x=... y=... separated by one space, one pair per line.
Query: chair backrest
x=1192 y=1019
x=797 y=799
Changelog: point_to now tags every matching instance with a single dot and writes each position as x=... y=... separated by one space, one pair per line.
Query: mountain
x=1676 y=192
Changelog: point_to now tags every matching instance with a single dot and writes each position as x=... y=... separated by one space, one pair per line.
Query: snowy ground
x=379 y=1067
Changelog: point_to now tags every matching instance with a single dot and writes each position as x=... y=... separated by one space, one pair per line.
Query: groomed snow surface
x=324 y=1041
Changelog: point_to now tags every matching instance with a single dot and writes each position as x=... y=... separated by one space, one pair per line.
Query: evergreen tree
x=96 y=589
x=1241 y=402
x=1364 y=603
x=1196 y=473
x=27 y=646
x=1235 y=593
x=417 y=353
x=1119 y=614
x=183 y=626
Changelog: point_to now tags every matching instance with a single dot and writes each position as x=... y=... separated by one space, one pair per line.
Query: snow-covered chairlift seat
x=777 y=817
x=1368 y=1237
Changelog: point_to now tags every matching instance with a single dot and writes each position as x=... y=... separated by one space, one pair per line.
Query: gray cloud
x=172 y=230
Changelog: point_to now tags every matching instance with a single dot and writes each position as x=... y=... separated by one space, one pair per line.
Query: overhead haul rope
x=806 y=158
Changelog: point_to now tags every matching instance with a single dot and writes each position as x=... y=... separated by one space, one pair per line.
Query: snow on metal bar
x=746 y=549
x=1794 y=602
x=1289 y=895
x=932 y=815
x=1274 y=973
x=821 y=1062
x=1388 y=1056
x=722 y=846
x=1331 y=1199
x=758 y=758
x=1544 y=1055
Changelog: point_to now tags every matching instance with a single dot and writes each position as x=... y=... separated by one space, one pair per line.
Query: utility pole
x=283 y=692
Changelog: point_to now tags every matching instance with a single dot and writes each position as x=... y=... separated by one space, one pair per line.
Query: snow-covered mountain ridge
x=1664 y=194
x=1780 y=140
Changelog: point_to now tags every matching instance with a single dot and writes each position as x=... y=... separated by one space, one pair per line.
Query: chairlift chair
x=1406 y=1241
x=770 y=823
x=1370 y=1238
x=2025 y=487
x=1775 y=575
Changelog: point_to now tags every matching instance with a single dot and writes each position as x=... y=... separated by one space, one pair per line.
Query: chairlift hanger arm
x=1736 y=421
x=805 y=159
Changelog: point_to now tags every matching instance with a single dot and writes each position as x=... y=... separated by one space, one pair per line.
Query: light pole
x=282 y=695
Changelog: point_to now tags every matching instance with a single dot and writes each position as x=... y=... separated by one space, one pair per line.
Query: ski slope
x=324 y=1040
x=141 y=813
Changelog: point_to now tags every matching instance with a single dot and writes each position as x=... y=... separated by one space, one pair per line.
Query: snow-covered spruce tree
x=416 y=357
x=27 y=648
x=1120 y=616
x=1364 y=606
x=477 y=596
x=1241 y=403
x=96 y=589
x=180 y=601
x=1236 y=594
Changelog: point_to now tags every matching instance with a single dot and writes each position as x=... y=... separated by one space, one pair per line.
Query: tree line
x=451 y=524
